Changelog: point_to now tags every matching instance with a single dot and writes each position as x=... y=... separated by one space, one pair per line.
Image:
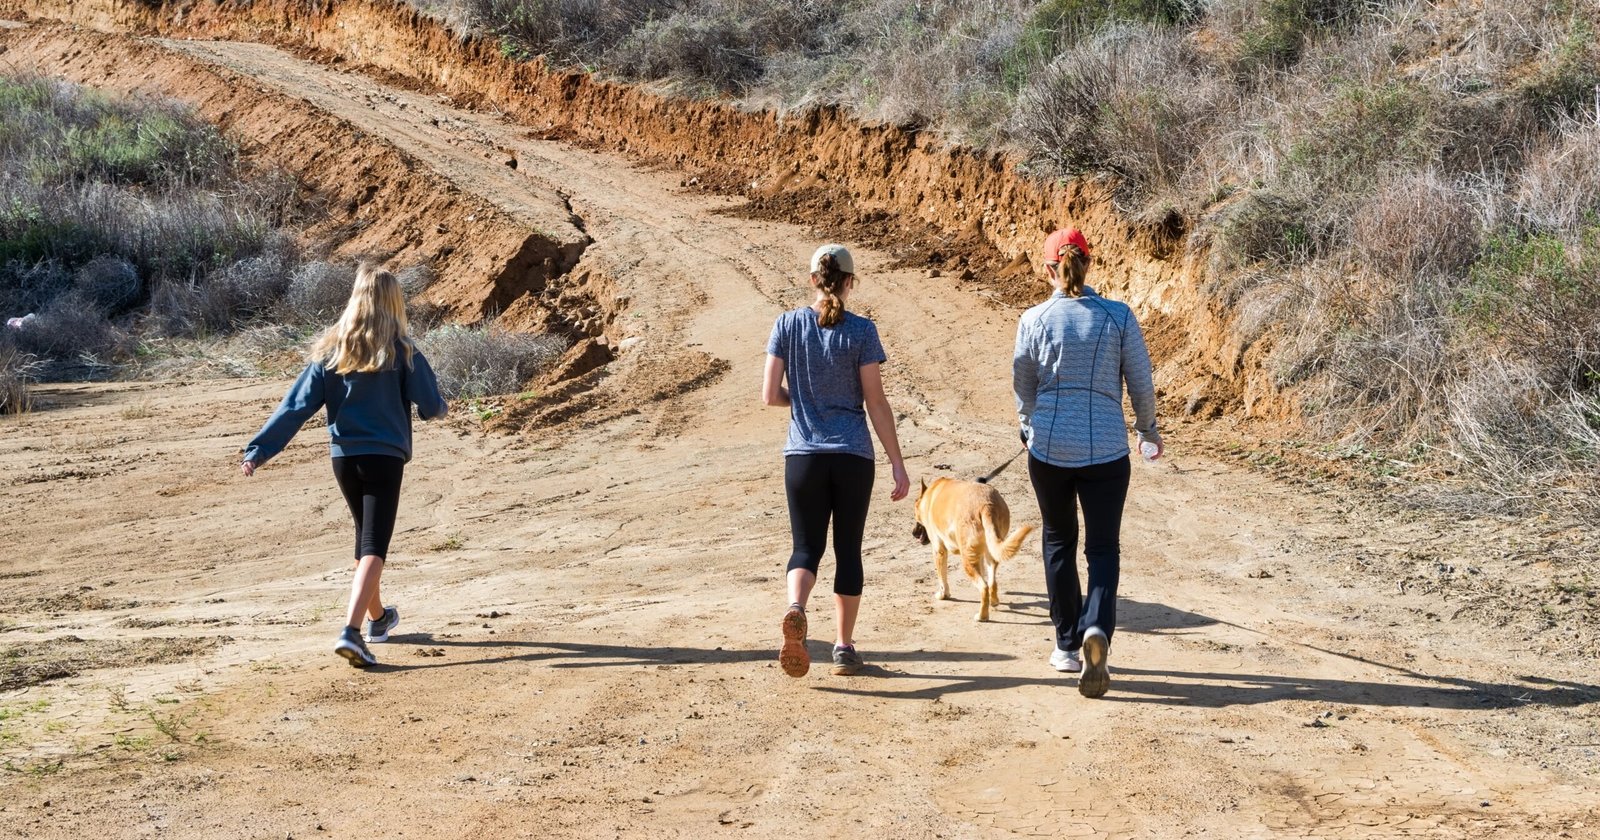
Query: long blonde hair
x=363 y=339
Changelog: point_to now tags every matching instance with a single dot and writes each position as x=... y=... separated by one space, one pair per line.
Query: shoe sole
x=847 y=670
x=1095 y=679
x=793 y=657
x=354 y=656
x=385 y=636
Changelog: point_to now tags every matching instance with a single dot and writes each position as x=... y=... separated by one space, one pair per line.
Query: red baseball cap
x=1060 y=239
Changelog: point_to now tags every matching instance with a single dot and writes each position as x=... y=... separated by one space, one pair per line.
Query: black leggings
x=1101 y=489
x=829 y=485
x=371 y=487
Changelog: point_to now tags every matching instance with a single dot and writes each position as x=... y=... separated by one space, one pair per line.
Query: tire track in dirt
x=627 y=687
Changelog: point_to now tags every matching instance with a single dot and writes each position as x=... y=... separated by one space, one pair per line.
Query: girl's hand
x=902 y=483
x=248 y=468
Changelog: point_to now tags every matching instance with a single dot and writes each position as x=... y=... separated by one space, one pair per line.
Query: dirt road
x=590 y=609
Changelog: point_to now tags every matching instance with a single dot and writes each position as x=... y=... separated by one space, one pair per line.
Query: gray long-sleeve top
x=1073 y=356
x=368 y=413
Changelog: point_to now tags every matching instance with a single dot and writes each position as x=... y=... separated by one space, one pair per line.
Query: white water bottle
x=1149 y=450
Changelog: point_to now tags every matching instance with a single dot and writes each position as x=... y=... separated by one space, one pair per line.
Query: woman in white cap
x=822 y=364
x=1074 y=353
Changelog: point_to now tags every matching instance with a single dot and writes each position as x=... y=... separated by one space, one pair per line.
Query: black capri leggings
x=819 y=487
x=371 y=487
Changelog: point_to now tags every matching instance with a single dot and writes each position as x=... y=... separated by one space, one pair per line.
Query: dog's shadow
x=1033 y=609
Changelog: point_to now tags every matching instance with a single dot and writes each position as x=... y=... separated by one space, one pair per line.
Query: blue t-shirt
x=823 y=372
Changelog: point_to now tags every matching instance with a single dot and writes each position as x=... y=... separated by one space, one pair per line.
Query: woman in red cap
x=1074 y=354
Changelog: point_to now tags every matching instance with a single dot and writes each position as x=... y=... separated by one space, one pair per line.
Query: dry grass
x=17 y=369
x=486 y=360
x=1133 y=101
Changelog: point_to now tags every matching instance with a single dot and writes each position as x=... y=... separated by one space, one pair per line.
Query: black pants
x=1101 y=489
x=371 y=487
x=819 y=487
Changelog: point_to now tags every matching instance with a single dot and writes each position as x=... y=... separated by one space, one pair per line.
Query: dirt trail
x=590 y=610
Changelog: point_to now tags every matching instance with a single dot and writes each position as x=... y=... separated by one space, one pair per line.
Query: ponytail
x=830 y=281
x=1074 y=267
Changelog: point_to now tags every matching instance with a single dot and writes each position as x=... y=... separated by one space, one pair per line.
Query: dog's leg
x=973 y=558
x=941 y=567
x=993 y=588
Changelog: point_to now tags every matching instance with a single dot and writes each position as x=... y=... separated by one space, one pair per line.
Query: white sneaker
x=1066 y=661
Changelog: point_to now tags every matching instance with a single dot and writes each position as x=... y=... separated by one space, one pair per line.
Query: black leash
x=1002 y=468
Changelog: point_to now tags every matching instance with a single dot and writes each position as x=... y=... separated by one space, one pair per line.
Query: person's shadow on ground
x=1206 y=689
x=1209 y=689
x=581 y=655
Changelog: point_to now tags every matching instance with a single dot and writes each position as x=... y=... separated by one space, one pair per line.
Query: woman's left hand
x=902 y=483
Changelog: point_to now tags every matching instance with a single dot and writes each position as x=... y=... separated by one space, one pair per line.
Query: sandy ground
x=590 y=611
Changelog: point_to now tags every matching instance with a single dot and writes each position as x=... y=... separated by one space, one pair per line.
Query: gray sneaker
x=846 y=661
x=353 y=649
x=378 y=629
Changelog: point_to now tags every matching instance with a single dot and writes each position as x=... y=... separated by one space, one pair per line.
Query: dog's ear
x=924 y=480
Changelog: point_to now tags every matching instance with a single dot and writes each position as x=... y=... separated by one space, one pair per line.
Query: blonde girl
x=368 y=374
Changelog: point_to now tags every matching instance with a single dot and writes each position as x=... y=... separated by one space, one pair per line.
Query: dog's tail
x=1003 y=550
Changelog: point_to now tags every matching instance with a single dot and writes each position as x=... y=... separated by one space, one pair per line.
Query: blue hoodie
x=368 y=413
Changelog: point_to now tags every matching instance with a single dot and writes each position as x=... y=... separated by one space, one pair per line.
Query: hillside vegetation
x=123 y=223
x=135 y=238
x=1399 y=199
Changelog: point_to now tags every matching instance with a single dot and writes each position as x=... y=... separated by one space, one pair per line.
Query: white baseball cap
x=841 y=258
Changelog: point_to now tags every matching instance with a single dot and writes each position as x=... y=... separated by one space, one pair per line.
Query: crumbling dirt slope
x=590 y=608
x=970 y=196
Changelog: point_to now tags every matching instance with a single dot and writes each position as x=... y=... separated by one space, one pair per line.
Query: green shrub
x=1058 y=24
x=1283 y=27
x=1266 y=227
x=1367 y=130
x=56 y=132
x=567 y=32
x=1534 y=285
x=1565 y=82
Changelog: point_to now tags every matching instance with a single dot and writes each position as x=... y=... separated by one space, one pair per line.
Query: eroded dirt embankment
x=373 y=199
x=970 y=195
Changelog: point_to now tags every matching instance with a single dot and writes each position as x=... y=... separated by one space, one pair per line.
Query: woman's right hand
x=902 y=483
x=248 y=468
x=1150 y=437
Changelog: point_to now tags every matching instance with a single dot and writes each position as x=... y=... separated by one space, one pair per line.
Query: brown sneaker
x=1096 y=678
x=793 y=657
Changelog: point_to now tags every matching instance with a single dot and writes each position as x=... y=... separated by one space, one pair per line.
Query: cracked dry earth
x=590 y=612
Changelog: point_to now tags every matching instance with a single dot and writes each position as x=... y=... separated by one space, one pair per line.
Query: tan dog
x=968 y=518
